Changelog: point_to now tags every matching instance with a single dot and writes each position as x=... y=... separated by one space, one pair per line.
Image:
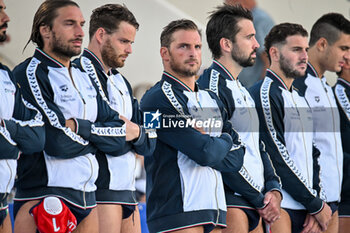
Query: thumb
x=267 y=199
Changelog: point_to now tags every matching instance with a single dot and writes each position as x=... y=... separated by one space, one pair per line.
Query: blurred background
x=144 y=67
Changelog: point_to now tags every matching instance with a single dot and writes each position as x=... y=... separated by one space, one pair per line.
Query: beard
x=183 y=71
x=289 y=70
x=3 y=36
x=109 y=56
x=62 y=49
x=238 y=56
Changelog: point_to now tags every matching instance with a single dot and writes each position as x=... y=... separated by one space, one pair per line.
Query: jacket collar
x=222 y=70
x=47 y=59
x=275 y=77
x=177 y=82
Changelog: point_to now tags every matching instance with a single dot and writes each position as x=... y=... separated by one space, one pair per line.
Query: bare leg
x=283 y=224
x=6 y=226
x=216 y=230
x=24 y=222
x=344 y=224
x=109 y=218
x=237 y=221
x=89 y=224
x=333 y=225
x=198 y=229
x=259 y=228
x=132 y=224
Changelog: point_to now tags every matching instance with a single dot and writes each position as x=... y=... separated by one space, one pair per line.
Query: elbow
x=114 y=148
x=36 y=144
x=207 y=158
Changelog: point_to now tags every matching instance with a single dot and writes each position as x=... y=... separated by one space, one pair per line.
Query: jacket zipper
x=216 y=197
x=84 y=189
x=303 y=132
x=335 y=138
x=80 y=95
x=8 y=183
x=251 y=119
x=121 y=94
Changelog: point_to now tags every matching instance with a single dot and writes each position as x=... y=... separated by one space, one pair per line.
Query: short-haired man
x=195 y=141
x=262 y=23
x=342 y=94
x=286 y=129
x=79 y=122
x=255 y=188
x=112 y=32
x=21 y=129
x=329 y=48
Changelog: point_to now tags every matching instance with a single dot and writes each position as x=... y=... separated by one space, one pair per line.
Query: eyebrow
x=72 y=21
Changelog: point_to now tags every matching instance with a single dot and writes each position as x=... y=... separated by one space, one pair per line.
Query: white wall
x=144 y=65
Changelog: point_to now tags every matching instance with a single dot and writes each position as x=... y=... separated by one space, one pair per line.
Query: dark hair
x=329 y=26
x=181 y=24
x=223 y=24
x=45 y=15
x=279 y=33
x=109 y=17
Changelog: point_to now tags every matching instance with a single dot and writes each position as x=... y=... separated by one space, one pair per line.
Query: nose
x=194 y=51
x=256 y=45
x=79 y=32
x=128 y=48
x=5 y=18
x=347 y=55
x=304 y=55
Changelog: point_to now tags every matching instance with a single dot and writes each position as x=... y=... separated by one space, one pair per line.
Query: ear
x=100 y=35
x=45 y=31
x=164 y=53
x=225 y=45
x=274 y=54
x=322 y=44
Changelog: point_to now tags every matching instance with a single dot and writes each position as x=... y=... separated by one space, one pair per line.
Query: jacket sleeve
x=239 y=181
x=60 y=141
x=24 y=132
x=26 y=127
x=317 y=184
x=108 y=132
x=244 y=184
x=146 y=142
x=235 y=156
x=272 y=180
x=9 y=148
x=271 y=114
x=201 y=148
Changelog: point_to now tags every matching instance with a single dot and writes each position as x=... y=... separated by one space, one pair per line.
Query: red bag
x=52 y=216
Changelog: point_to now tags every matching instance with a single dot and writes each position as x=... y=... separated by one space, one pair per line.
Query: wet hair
x=44 y=16
x=279 y=33
x=168 y=31
x=223 y=24
x=109 y=17
x=329 y=26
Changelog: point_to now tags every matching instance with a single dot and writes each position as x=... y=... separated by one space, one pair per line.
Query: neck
x=97 y=52
x=315 y=62
x=287 y=80
x=231 y=66
x=345 y=74
x=188 y=80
